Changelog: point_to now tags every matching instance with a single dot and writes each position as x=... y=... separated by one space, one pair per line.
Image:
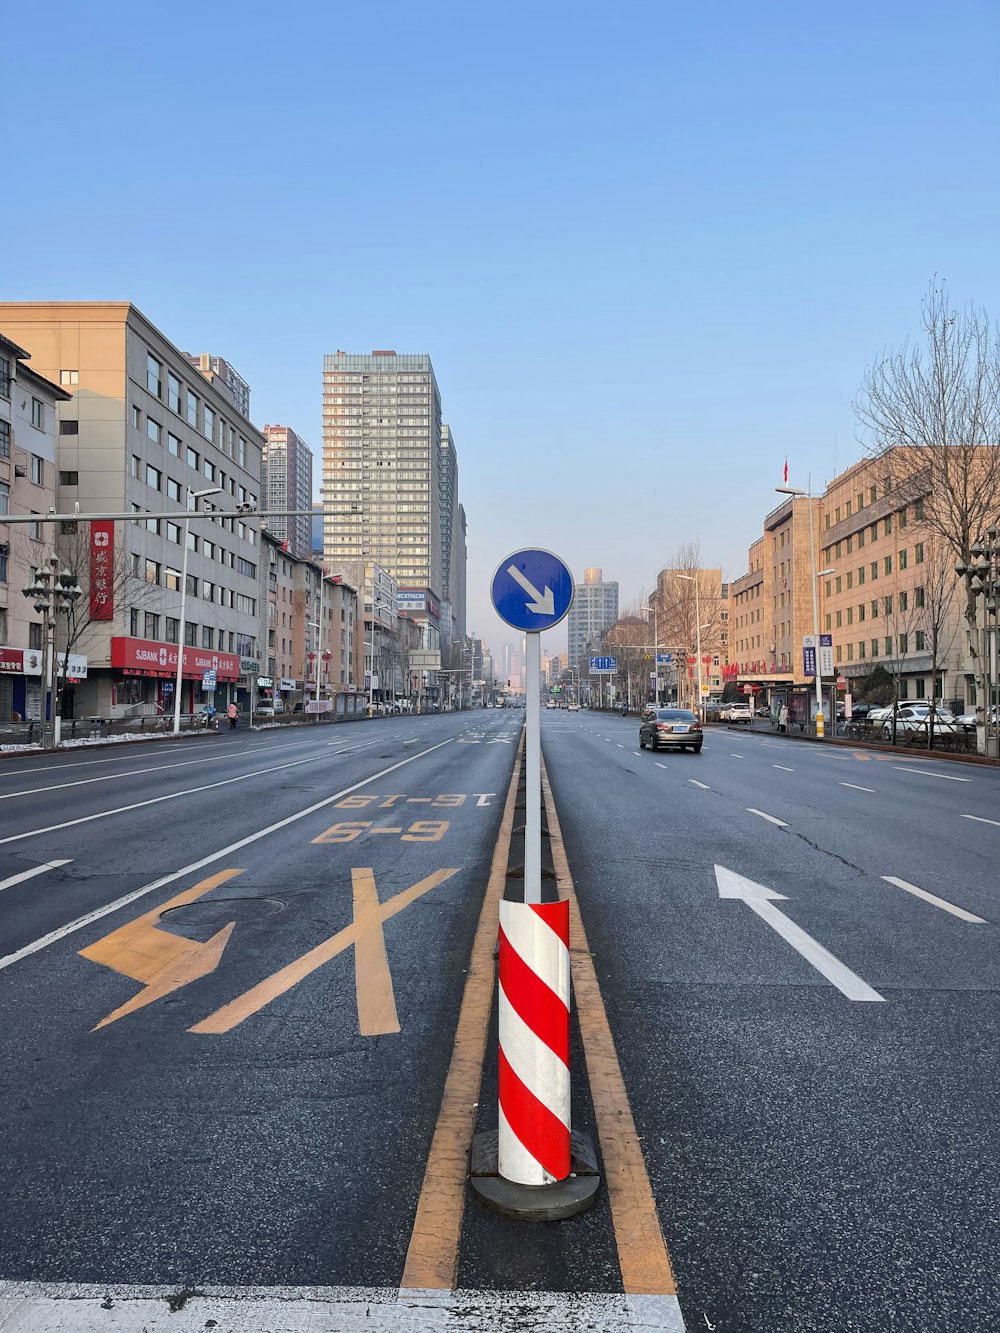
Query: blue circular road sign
x=532 y=590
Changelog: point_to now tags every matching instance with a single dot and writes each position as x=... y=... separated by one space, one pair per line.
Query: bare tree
x=688 y=605
x=937 y=620
x=630 y=640
x=931 y=418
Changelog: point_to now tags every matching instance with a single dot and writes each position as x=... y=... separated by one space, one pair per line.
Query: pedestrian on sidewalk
x=232 y=712
x=783 y=718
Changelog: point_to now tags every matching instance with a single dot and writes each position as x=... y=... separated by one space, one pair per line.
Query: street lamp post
x=181 y=628
x=983 y=580
x=820 y=723
x=52 y=591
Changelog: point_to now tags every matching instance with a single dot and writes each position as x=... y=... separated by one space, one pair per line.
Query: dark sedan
x=675 y=728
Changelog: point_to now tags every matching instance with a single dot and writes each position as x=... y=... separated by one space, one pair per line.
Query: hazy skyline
x=649 y=250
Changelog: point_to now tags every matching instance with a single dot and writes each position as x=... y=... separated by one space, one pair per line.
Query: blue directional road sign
x=664 y=659
x=532 y=590
x=599 y=665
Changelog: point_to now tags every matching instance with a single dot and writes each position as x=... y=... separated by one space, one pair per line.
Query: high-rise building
x=453 y=552
x=594 y=609
x=287 y=481
x=221 y=374
x=382 y=473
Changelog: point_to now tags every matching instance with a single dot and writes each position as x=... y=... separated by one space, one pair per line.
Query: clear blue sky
x=650 y=247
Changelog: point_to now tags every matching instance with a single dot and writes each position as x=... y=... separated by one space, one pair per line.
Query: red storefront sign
x=102 y=566
x=26 y=661
x=146 y=657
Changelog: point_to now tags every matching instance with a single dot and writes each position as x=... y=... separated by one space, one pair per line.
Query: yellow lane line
x=432 y=1256
x=372 y=978
x=642 y=1251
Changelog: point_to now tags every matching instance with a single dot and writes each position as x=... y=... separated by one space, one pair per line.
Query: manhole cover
x=220 y=911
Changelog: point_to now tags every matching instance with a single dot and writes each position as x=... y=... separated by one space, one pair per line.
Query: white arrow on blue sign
x=532 y=590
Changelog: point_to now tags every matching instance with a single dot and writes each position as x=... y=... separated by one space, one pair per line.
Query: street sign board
x=664 y=659
x=603 y=665
x=532 y=590
x=826 y=654
x=209 y=680
x=425 y=660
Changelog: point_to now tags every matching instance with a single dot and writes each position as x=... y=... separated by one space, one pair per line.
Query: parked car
x=739 y=713
x=676 y=728
x=969 y=721
x=917 y=718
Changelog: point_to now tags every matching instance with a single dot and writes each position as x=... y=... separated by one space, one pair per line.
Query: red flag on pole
x=786 y=471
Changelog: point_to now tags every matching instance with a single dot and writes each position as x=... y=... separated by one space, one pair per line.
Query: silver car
x=675 y=728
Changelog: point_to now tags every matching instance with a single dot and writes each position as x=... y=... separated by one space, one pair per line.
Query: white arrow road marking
x=760 y=899
x=771 y=819
x=30 y=874
x=980 y=820
x=934 y=900
x=854 y=787
x=544 y=604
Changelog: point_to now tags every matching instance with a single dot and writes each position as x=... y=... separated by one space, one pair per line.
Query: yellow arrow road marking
x=164 y=962
x=370 y=916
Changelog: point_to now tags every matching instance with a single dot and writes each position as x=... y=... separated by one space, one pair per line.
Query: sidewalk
x=763 y=726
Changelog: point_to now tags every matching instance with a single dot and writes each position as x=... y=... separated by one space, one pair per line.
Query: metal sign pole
x=533 y=771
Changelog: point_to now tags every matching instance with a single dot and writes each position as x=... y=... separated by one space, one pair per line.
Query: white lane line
x=734 y=756
x=980 y=820
x=620 y=746
x=62 y=931
x=30 y=874
x=925 y=772
x=783 y=768
x=659 y=765
x=637 y=754
x=854 y=787
x=770 y=818
x=934 y=900
x=110 y=777
x=703 y=785
x=75 y=1307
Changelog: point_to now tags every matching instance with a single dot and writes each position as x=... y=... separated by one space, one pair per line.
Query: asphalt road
x=214 y=1074
x=820 y=1162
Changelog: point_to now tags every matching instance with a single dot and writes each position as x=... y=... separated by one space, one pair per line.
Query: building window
x=153 y=430
x=918 y=553
x=69 y=377
x=887 y=606
x=190 y=634
x=904 y=644
x=173 y=490
x=902 y=559
x=904 y=688
x=874 y=610
x=901 y=518
x=152 y=571
x=170 y=627
x=904 y=600
x=153 y=476
x=208 y=468
x=173 y=445
x=207 y=636
x=861 y=648
x=192 y=458
x=4 y=377
x=874 y=569
x=861 y=611
x=192 y=408
x=918 y=597
x=38 y=413
x=861 y=575
x=69 y=478
x=173 y=393
x=874 y=647
x=918 y=511
x=888 y=645
x=888 y=564
x=888 y=524
x=34 y=636
x=37 y=470
x=4 y=439
x=921 y=641
x=69 y=426
x=151 y=627
x=208 y=423
x=153 y=371
x=136 y=417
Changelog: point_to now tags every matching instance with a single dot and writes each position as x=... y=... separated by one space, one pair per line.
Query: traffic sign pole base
x=534 y=1203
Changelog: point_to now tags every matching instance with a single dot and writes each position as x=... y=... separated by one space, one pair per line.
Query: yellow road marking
x=642 y=1251
x=372 y=978
x=432 y=1255
x=164 y=962
x=255 y=999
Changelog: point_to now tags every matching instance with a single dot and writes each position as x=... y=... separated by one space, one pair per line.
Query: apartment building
x=593 y=611
x=288 y=482
x=691 y=609
x=28 y=485
x=144 y=431
x=382 y=475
